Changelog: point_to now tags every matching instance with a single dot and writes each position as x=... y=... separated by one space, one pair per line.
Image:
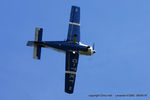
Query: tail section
x=37 y=48
x=37 y=52
x=36 y=43
x=38 y=34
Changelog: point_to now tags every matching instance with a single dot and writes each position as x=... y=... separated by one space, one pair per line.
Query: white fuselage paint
x=89 y=52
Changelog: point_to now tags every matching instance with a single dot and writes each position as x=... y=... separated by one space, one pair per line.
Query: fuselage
x=64 y=46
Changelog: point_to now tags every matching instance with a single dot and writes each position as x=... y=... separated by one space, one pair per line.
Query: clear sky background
x=120 y=30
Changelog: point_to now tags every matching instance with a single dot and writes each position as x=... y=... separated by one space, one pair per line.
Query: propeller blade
x=93 y=46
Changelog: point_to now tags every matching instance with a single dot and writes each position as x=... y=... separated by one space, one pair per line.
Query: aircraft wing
x=70 y=71
x=74 y=25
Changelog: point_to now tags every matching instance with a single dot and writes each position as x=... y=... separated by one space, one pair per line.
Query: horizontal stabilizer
x=37 y=48
x=37 y=43
x=38 y=34
x=37 y=52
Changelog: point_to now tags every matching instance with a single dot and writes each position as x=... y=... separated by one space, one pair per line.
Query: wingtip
x=69 y=92
x=73 y=6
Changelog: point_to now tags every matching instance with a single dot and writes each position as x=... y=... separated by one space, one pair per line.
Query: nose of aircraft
x=94 y=51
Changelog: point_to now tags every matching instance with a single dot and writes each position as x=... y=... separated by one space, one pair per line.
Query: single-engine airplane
x=72 y=47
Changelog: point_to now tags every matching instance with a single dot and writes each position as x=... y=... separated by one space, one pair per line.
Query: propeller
x=88 y=46
x=93 y=46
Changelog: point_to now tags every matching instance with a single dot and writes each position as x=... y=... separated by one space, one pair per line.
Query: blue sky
x=120 y=30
